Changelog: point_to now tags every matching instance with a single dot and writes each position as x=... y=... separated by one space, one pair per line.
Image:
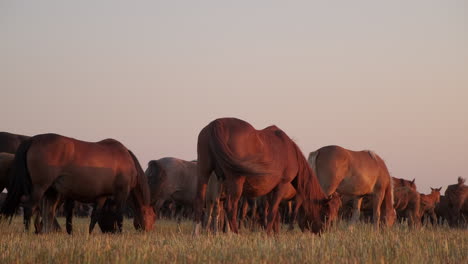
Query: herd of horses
x=240 y=173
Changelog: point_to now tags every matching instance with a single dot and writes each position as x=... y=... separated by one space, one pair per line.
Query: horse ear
x=439 y=189
x=432 y=189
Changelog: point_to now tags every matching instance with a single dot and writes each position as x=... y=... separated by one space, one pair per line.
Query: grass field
x=170 y=242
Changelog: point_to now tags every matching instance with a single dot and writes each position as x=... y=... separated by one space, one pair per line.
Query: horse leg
x=69 y=206
x=208 y=213
x=234 y=191
x=377 y=203
x=203 y=172
x=96 y=213
x=357 y=209
x=274 y=201
x=27 y=214
x=37 y=221
x=31 y=206
x=298 y=204
x=50 y=200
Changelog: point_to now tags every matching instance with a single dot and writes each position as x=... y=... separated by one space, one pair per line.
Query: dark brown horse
x=356 y=174
x=9 y=142
x=51 y=166
x=254 y=163
x=457 y=196
x=407 y=205
x=429 y=203
x=442 y=210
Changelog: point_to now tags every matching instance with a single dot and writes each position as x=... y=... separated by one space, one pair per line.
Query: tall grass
x=174 y=243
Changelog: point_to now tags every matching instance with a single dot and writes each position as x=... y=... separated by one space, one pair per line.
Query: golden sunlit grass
x=170 y=242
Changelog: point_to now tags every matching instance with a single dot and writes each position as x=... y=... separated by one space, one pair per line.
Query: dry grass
x=173 y=243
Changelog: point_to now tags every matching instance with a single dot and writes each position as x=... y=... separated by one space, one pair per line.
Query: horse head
x=144 y=220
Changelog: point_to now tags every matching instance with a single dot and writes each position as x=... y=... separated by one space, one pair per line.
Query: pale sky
x=390 y=76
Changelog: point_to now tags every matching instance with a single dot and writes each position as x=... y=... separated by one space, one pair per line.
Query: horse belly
x=259 y=185
x=85 y=183
x=355 y=186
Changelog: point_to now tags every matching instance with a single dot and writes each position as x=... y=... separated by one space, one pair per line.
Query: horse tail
x=388 y=202
x=20 y=180
x=142 y=182
x=313 y=159
x=309 y=189
x=226 y=159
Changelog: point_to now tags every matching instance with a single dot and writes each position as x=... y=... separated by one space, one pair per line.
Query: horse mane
x=226 y=159
x=372 y=154
x=308 y=186
x=142 y=183
x=158 y=174
x=20 y=180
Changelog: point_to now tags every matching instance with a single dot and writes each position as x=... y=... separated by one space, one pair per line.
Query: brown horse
x=429 y=203
x=355 y=173
x=457 y=196
x=9 y=142
x=51 y=166
x=254 y=163
x=407 y=205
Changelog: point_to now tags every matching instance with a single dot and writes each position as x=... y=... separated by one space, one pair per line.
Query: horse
x=9 y=142
x=457 y=196
x=172 y=179
x=50 y=166
x=356 y=174
x=442 y=210
x=254 y=163
x=407 y=205
x=429 y=203
x=399 y=182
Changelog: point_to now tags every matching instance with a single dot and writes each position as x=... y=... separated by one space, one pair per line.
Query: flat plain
x=172 y=242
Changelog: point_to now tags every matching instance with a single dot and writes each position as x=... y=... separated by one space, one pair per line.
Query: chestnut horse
x=254 y=163
x=51 y=166
x=429 y=203
x=355 y=173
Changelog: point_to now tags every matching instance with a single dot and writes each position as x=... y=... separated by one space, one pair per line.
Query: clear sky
x=390 y=76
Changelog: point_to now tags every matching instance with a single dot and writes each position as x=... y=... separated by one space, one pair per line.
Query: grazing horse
x=356 y=174
x=9 y=142
x=457 y=196
x=50 y=166
x=407 y=204
x=254 y=163
x=172 y=179
x=399 y=182
x=429 y=203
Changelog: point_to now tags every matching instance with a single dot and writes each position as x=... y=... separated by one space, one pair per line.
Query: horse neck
x=140 y=194
x=309 y=177
x=433 y=196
